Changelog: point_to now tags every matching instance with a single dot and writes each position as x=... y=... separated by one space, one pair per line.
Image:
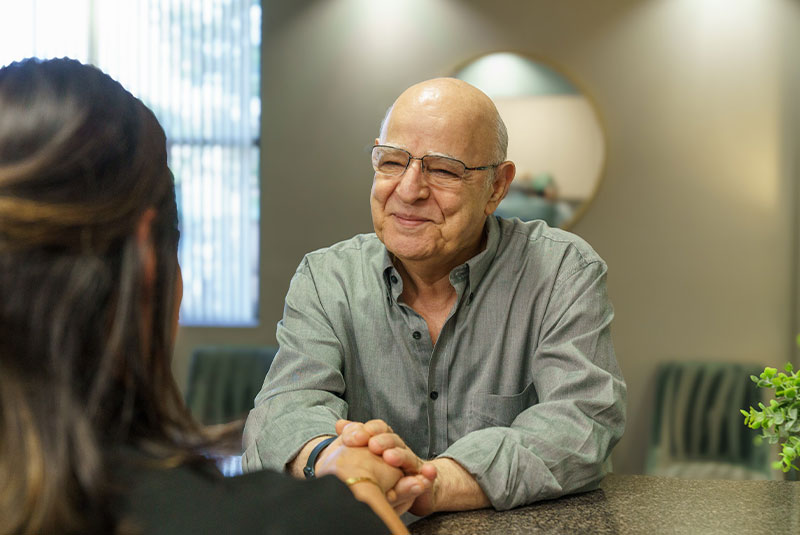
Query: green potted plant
x=780 y=421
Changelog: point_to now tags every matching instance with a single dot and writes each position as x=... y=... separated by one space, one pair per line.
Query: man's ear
x=503 y=175
x=147 y=250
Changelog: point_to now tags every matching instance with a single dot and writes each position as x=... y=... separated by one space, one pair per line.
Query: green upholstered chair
x=697 y=430
x=224 y=381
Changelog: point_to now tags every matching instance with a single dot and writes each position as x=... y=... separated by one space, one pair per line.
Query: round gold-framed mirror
x=555 y=135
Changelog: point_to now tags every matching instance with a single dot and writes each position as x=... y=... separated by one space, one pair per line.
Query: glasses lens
x=389 y=161
x=442 y=168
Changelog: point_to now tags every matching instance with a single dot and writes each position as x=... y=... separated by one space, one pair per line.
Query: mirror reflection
x=554 y=136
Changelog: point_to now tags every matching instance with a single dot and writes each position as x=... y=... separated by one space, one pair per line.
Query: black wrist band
x=308 y=471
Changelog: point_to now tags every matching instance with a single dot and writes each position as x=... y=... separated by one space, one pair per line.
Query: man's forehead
x=420 y=135
x=438 y=131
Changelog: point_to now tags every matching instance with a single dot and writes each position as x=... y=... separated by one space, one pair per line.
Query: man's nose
x=412 y=185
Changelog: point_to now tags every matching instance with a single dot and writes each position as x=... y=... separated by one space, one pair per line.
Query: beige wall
x=696 y=216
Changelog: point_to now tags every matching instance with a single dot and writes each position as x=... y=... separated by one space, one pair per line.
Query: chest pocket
x=495 y=410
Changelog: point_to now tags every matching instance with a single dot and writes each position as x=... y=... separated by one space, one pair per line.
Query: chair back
x=224 y=381
x=697 y=429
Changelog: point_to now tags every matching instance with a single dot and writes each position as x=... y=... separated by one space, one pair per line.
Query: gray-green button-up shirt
x=522 y=387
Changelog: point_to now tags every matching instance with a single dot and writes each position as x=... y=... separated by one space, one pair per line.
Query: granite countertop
x=641 y=504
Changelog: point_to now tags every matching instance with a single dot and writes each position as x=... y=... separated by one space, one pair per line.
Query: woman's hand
x=358 y=462
x=414 y=491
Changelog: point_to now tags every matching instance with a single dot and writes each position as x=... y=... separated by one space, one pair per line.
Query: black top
x=198 y=500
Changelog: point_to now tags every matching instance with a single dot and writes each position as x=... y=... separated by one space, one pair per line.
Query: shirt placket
x=433 y=360
x=422 y=347
x=418 y=342
x=439 y=395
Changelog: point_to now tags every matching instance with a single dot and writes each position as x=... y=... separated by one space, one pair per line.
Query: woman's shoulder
x=196 y=499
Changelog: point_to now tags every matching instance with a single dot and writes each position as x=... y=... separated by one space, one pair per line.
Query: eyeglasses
x=392 y=161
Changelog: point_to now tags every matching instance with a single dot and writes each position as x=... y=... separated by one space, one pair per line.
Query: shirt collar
x=393 y=290
x=388 y=266
x=476 y=267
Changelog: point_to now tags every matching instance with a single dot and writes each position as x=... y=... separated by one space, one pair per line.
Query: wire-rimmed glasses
x=442 y=170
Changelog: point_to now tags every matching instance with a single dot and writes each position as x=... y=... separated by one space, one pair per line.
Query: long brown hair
x=85 y=343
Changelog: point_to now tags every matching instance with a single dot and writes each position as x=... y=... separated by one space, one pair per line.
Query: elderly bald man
x=471 y=351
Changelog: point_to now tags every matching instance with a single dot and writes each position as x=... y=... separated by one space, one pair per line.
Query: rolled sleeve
x=302 y=394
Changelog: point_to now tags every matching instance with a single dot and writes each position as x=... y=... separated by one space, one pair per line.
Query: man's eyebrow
x=443 y=154
x=394 y=146
x=432 y=153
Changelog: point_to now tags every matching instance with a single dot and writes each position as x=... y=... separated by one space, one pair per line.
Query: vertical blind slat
x=193 y=63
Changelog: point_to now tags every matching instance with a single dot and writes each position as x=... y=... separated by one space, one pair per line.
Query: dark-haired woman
x=94 y=436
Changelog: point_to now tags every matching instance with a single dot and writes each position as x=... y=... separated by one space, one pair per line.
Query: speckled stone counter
x=641 y=504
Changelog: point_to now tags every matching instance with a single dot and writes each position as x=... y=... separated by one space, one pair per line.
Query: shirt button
x=393 y=279
x=434 y=395
x=417 y=335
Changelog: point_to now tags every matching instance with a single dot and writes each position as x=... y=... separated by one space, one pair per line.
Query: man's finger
x=355 y=436
x=402 y=458
x=428 y=470
x=406 y=491
x=410 y=487
x=380 y=443
x=377 y=427
x=340 y=425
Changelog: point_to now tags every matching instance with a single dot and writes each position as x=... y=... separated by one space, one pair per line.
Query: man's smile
x=409 y=220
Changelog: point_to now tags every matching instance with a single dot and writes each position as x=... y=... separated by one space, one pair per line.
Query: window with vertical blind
x=196 y=64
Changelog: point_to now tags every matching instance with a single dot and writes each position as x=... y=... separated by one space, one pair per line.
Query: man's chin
x=408 y=249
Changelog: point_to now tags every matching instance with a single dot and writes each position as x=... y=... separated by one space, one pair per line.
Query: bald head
x=462 y=106
x=432 y=218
